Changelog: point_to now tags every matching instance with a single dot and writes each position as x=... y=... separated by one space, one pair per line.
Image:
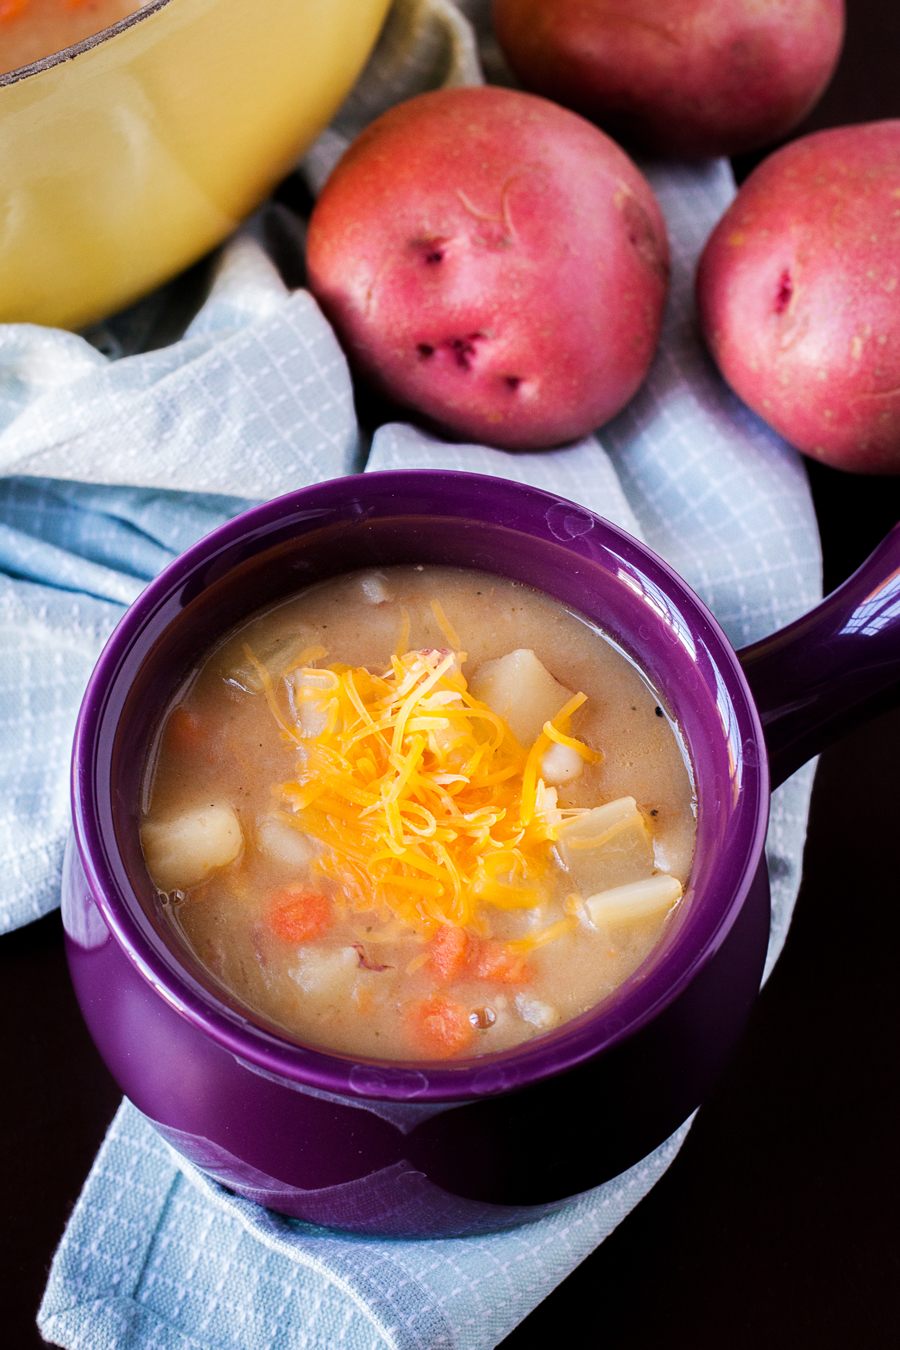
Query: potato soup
x=418 y=813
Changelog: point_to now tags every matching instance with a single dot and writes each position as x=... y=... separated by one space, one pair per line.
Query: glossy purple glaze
x=418 y=1148
x=837 y=665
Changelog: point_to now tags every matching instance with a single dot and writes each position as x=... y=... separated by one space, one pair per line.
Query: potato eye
x=463 y=349
x=785 y=291
x=431 y=251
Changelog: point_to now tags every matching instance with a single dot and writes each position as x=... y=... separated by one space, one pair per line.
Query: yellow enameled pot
x=125 y=158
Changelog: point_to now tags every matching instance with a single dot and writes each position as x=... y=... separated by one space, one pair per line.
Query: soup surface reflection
x=419 y=813
x=33 y=29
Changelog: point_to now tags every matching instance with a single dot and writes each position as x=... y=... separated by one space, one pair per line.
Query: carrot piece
x=448 y=951
x=438 y=1026
x=184 y=731
x=494 y=961
x=298 y=914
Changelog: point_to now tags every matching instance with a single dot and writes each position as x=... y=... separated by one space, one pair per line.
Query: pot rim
x=77 y=48
x=737 y=809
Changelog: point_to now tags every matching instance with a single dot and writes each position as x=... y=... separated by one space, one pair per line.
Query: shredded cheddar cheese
x=425 y=804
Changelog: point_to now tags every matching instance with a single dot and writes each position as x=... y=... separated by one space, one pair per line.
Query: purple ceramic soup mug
x=465 y=1146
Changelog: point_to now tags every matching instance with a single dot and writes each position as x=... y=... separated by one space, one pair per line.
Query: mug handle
x=832 y=669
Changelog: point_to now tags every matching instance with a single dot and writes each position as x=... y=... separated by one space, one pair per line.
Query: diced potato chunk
x=609 y=846
x=561 y=764
x=283 y=843
x=374 y=587
x=648 y=899
x=536 y=1011
x=327 y=972
x=275 y=657
x=313 y=695
x=518 y=688
x=184 y=850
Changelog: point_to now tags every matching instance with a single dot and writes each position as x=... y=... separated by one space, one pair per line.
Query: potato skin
x=689 y=78
x=798 y=290
x=494 y=263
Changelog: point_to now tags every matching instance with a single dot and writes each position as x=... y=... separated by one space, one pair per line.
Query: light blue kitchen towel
x=115 y=458
x=156 y=1255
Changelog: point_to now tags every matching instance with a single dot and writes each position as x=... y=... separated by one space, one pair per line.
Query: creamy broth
x=33 y=29
x=518 y=858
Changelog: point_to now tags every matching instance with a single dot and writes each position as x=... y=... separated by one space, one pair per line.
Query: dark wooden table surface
x=776 y=1228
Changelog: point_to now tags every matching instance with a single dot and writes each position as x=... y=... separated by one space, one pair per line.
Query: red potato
x=677 y=77
x=495 y=264
x=799 y=295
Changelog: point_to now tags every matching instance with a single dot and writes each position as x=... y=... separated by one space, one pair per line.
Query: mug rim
x=743 y=803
